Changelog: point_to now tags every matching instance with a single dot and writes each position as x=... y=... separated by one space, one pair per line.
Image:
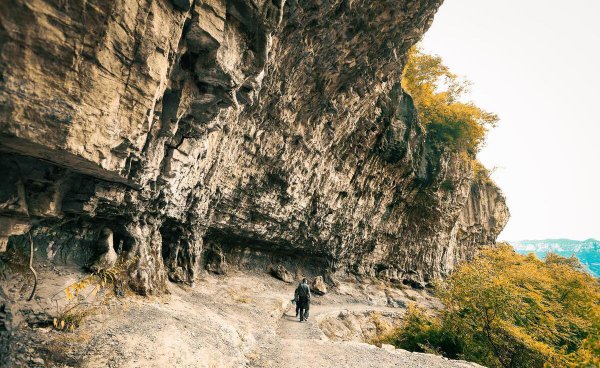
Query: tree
x=508 y=310
x=437 y=94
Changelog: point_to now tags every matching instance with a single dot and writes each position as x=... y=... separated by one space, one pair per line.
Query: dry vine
x=35 y=278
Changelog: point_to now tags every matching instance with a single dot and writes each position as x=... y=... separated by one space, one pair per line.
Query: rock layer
x=195 y=129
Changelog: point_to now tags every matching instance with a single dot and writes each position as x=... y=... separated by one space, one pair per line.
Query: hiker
x=303 y=292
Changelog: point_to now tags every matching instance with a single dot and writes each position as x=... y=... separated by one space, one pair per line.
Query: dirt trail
x=299 y=344
x=242 y=320
x=289 y=328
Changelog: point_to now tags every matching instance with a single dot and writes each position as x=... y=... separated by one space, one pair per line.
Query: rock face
x=194 y=130
x=108 y=258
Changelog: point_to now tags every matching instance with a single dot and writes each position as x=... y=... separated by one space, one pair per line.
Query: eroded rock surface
x=208 y=132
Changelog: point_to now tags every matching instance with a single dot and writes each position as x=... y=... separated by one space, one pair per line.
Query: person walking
x=303 y=300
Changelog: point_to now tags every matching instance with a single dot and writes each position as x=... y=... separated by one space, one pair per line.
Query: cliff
x=205 y=132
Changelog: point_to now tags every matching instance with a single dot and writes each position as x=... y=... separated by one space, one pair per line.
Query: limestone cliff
x=202 y=130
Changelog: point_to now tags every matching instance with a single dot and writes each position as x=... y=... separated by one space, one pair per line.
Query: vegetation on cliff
x=438 y=95
x=508 y=310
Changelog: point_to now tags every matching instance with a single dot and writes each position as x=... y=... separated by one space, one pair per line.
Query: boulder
x=282 y=274
x=318 y=286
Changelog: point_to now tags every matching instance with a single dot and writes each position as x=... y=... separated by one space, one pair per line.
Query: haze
x=537 y=65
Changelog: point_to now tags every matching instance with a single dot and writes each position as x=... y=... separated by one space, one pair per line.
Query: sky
x=535 y=63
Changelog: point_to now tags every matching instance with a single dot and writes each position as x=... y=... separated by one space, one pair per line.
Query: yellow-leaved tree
x=508 y=310
x=437 y=94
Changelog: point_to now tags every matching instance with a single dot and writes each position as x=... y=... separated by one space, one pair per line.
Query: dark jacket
x=303 y=292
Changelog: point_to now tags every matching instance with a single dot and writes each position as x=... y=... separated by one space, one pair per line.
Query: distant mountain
x=587 y=251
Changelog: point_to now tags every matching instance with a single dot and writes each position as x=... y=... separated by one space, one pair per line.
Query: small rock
x=38 y=361
x=282 y=274
x=388 y=347
x=319 y=286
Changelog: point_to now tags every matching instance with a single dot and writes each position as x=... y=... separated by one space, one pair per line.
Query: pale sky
x=535 y=63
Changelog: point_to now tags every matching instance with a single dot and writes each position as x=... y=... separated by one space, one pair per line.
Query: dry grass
x=240 y=296
x=63 y=347
x=381 y=325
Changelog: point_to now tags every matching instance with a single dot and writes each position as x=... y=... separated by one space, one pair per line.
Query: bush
x=508 y=310
x=423 y=333
x=437 y=93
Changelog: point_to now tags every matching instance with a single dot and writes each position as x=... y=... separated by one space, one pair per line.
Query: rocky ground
x=240 y=320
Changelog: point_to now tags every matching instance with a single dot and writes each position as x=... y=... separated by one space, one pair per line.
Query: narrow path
x=290 y=327
x=302 y=344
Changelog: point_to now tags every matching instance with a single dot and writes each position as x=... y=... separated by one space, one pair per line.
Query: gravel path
x=241 y=320
x=302 y=345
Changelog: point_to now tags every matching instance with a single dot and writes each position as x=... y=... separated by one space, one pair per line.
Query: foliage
x=80 y=295
x=508 y=310
x=481 y=174
x=437 y=94
x=420 y=332
x=383 y=329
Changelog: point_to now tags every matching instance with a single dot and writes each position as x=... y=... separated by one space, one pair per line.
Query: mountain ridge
x=586 y=251
x=553 y=240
